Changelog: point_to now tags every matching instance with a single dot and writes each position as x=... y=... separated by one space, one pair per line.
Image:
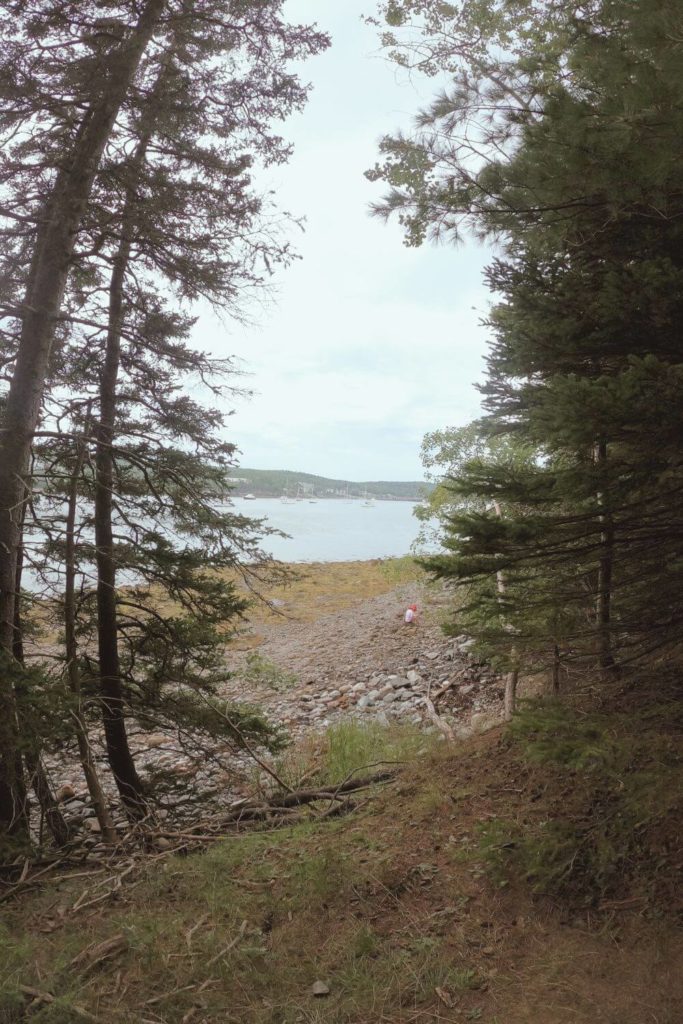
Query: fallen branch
x=436 y=720
x=97 y=953
x=47 y=997
x=231 y=945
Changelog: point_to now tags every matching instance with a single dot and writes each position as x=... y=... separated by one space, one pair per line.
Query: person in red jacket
x=410 y=617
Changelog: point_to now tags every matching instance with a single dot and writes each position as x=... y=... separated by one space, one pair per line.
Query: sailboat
x=368 y=502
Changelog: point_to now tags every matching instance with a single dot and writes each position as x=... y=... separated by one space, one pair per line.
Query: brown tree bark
x=59 y=223
x=111 y=685
x=71 y=649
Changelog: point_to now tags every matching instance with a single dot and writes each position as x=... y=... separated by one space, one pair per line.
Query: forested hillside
x=273 y=483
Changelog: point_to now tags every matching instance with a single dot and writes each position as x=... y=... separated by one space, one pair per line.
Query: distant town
x=277 y=483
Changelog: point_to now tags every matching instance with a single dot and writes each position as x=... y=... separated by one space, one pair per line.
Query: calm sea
x=335 y=530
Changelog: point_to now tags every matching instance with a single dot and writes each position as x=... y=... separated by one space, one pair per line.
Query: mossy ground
x=397 y=908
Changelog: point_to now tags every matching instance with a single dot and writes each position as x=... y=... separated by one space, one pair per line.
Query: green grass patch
x=262 y=671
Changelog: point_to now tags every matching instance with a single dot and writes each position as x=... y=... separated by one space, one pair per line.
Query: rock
x=413 y=677
x=92 y=825
x=75 y=807
x=433 y=655
x=320 y=989
x=156 y=739
x=364 y=701
x=65 y=792
x=466 y=689
x=373 y=695
x=390 y=697
x=161 y=843
x=467 y=645
x=483 y=721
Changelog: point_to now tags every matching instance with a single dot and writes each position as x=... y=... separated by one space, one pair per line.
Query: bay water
x=334 y=530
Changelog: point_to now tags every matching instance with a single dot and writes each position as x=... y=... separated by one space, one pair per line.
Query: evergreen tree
x=584 y=195
x=69 y=125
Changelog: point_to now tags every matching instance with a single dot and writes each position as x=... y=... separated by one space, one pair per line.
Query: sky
x=366 y=344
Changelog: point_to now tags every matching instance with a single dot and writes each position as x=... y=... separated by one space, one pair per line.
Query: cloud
x=369 y=344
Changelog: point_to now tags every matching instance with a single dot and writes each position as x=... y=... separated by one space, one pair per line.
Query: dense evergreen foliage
x=130 y=132
x=561 y=138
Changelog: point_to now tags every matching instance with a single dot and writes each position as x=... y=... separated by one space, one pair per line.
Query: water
x=335 y=530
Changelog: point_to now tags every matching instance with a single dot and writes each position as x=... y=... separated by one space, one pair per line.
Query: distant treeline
x=276 y=482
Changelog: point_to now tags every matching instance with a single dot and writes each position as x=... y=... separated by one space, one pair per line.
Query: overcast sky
x=367 y=344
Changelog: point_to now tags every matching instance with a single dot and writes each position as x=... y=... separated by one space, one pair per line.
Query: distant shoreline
x=320 y=497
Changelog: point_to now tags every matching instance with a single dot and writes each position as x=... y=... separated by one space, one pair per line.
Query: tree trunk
x=71 y=648
x=603 y=609
x=34 y=766
x=510 y=699
x=556 y=671
x=510 y=693
x=59 y=223
x=111 y=686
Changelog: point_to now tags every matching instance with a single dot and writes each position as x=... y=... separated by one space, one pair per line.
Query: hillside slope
x=275 y=482
x=401 y=912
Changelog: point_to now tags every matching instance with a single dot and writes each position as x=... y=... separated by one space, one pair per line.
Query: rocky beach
x=335 y=655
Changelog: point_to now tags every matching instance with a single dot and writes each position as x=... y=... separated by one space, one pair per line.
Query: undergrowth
x=261 y=670
x=349 y=748
x=618 y=776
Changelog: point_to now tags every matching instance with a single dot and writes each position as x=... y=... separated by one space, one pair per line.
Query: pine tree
x=228 y=79
x=582 y=186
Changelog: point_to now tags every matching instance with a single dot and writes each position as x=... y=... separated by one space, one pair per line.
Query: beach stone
x=156 y=739
x=483 y=721
x=75 y=807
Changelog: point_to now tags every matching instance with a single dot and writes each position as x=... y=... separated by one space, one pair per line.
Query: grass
x=348 y=748
x=261 y=670
x=320 y=588
x=379 y=905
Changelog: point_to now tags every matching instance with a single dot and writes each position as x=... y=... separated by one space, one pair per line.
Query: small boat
x=250 y=497
x=368 y=502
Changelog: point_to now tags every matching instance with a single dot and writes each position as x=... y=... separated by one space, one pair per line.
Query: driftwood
x=435 y=718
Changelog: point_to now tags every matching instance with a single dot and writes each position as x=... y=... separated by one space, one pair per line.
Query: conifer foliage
x=561 y=137
x=129 y=133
